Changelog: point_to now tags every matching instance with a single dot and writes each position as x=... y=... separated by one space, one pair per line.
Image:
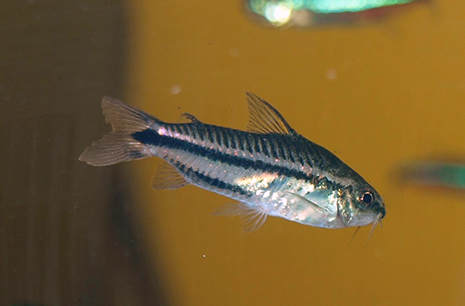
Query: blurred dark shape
x=309 y=13
x=434 y=174
x=66 y=234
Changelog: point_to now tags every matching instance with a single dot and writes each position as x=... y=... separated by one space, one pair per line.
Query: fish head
x=362 y=205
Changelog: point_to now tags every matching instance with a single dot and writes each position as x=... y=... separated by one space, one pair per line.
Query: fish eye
x=367 y=198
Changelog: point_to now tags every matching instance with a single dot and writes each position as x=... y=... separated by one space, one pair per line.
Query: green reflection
x=324 y=6
x=450 y=175
x=342 y=6
x=280 y=11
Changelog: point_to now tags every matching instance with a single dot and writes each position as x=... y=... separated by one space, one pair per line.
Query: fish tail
x=119 y=145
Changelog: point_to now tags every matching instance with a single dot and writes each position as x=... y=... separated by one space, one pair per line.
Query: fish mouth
x=380 y=210
x=382 y=213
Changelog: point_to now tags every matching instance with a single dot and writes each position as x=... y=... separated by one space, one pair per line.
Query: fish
x=433 y=173
x=309 y=13
x=269 y=169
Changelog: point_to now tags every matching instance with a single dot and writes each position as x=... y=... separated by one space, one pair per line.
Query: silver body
x=268 y=191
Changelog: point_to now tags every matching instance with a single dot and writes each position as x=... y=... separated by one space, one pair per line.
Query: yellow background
x=398 y=95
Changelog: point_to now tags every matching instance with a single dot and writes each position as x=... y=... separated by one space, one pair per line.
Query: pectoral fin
x=298 y=202
x=252 y=217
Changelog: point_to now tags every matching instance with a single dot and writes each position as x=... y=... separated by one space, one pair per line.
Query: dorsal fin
x=264 y=118
x=167 y=177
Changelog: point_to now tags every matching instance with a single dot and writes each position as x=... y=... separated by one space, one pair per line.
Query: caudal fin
x=119 y=145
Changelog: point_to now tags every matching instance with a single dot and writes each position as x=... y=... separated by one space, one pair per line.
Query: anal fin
x=167 y=177
x=252 y=217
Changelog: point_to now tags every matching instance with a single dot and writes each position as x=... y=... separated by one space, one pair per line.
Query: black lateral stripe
x=225 y=137
x=280 y=150
x=170 y=129
x=307 y=157
x=195 y=175
x=291 y=149
x=232 y=138
x=240 y=141
x=182 y=129
x=177 y=128
x=301 y=158
x=209 y=135
x=192 y=129
x=200 y=132
x=263 y=143
x=248 y=142
x=255 y=144
x=150 y=137
x=285 y=150
x=315 y=155
x=219 y=139
x=273 y=146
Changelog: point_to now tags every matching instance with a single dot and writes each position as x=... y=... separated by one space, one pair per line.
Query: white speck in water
x=204 y=255
x=174 y=90
x=234 y=52
x=331 y=74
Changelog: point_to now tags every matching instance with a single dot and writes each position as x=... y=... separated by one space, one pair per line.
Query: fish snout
x=382 y=211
